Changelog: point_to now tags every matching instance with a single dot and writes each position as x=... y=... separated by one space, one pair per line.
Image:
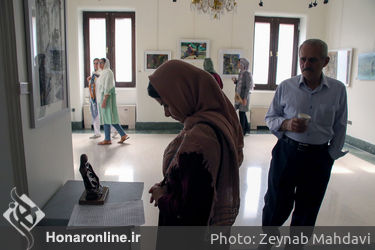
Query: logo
x=23 y=215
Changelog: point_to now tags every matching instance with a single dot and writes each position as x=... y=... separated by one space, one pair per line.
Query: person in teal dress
x=107 y=103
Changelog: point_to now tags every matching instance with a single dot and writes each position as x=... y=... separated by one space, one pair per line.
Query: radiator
x=257 y=114
x=126 y=115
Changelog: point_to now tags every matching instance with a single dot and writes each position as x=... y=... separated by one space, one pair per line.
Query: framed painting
x=154 y=58
x=189 y=49
x=228 y=62
x=366 y=66
x=47 y=60
x=339 y=65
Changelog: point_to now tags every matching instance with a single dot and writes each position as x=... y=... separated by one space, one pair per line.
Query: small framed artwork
x=155 y=58
x=47 y=60
x=339 y=65
x=228 y=62
x=366 y=66
x=189 y=49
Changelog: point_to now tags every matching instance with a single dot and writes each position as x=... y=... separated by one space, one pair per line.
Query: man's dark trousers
x=244 y=123
x=298 y=176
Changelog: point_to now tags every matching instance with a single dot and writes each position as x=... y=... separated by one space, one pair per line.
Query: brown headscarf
x=193 y=97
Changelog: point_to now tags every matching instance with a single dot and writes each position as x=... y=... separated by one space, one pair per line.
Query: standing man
x=93 y=101
x=308 y=115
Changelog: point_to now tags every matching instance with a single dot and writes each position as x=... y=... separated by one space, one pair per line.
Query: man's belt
x=305 y=146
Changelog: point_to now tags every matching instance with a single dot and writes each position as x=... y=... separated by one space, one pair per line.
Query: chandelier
x=215 y=8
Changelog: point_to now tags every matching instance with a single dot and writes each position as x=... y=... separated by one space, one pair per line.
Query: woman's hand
x=88 y=78
x=156 y=192
x=104 y=102
x=234 y=80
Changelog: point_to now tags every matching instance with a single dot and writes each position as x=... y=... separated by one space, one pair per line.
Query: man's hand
x=244 y=102
x=294 y=125
x=88 y=78
x=156 y=192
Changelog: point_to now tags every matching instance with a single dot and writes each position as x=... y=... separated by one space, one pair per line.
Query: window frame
x=110 y=41
x=273 y=47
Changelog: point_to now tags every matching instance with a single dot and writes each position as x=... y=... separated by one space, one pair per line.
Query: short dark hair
x=152 y=91
x=317 y=42
x=103 y=59
x=95 y=59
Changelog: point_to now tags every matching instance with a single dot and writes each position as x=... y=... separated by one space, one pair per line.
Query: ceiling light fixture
x=311 y=4
x=215 y=8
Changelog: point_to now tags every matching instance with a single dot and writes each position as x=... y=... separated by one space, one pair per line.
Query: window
x=111 y=35
x=275 y=51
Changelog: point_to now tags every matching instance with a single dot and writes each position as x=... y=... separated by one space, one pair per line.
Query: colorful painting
x=339 y=65
x=366 y=66
x=153 y=59
x=228 y=62
x=193 y=49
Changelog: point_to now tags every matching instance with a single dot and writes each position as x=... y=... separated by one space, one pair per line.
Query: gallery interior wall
x=13 y=166
x=7 y=175
x=48 y=149
x=350 y=24
x=159 y=26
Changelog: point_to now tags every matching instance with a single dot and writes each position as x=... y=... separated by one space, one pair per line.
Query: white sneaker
x=114 y=135
x=95 y=136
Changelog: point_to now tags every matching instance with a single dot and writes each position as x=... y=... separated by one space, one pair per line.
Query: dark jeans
x=244 y=123
x=298 y=178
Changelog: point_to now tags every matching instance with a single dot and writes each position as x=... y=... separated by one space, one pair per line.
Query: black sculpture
x=94 y=191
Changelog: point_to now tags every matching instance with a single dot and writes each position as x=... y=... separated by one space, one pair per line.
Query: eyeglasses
x=101 y=62
x=96 y=63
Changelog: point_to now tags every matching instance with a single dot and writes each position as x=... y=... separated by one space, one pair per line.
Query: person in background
x=244 y=84
x=201 y=165
x=108 y=106
x=93 y=100
x=209 y=67
x=308 y=115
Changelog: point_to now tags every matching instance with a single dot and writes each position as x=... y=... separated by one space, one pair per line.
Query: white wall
x=350 y=24
x=11 y=153
x=7 y=180
x=48 y=149
x=161 y=23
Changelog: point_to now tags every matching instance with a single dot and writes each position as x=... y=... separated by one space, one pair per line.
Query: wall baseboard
x=358 y=143
x=77 y=125
x=158 y=126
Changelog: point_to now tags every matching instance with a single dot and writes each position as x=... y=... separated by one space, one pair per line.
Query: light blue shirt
x=327 y=106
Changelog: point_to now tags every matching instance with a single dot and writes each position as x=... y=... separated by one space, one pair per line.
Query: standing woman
x=92 y=80
x=201 y=165
x=209 y=67
x=242 y=97
x=108 y=107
